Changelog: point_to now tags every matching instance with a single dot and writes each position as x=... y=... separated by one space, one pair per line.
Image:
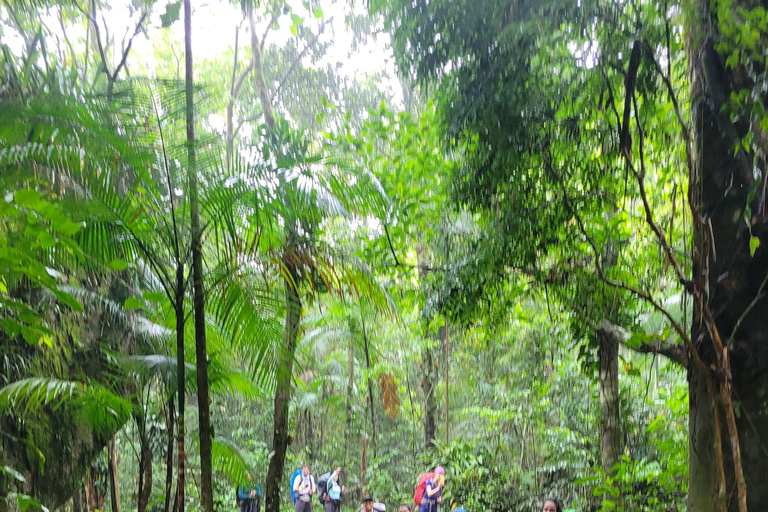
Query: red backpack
x=420 y=488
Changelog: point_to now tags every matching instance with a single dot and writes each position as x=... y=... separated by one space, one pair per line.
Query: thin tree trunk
x=169 y=456
x=201 y=352
x=348 y=405
x=447 y=389
x=280 y=439
x=427 y=361
x=371 y=406
x=258 y=73
x=181 y=389
x=114 y=484
x=145 y=464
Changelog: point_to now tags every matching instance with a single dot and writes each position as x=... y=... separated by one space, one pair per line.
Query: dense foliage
x=476 y=234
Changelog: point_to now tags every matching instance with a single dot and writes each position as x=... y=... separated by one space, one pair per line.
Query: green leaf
x=154 y=297
x=171 y=14
x=132 y=303
x=318 y=13
x=13 y=473
x=118 y=264
x=26 y=197
x=754 y=243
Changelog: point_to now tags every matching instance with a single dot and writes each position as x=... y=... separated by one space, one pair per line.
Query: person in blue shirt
x=334 y=492
x=249 y=496
x=433 y=492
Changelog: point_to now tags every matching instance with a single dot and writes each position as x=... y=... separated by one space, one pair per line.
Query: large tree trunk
x=201 y=351
x=280 y=439
x=726 y=279
x=610 y=426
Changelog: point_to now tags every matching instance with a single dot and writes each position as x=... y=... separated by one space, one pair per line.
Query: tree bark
x=728 y=280
x=114 y=484
x=145 y=463
x=350 y=395
x=610 y=424
x=169 y=457
x=181 y=388
x=201 y=351
x=258 y=73
x=428 y=373
x=371 y=406
x=280 y=437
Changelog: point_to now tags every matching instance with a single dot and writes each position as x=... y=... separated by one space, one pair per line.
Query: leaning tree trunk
x=730 y=323
x=280 y=438
x=201 y=351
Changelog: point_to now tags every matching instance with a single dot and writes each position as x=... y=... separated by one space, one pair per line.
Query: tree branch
x=310 y=44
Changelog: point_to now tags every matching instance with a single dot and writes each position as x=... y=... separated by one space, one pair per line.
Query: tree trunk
x=428 y=374
x=371 y=406
x=181 y=388
x=610 y=424
x=727 y=279
x=280 y=439
x=145 y=464
x=169 y=457
x=258 y=73
x=114 y=485
x=350 y=395
x=201 y=352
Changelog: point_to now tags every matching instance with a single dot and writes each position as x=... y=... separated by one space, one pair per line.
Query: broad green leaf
x=132 y=303
x=754 y=243
x=118 y=264
x=171 y=14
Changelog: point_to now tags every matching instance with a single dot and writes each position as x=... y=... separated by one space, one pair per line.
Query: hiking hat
x=440 y=469
x=367 y=497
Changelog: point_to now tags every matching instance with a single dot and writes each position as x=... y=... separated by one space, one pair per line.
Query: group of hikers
x=427 y=498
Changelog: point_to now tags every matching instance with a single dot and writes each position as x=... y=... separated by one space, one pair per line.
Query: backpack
x=296 y=473
x=322 y=487
x=419 y=494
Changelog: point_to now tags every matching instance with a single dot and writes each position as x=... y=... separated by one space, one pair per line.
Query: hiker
x=249 y=496
x=433 y=492
x=367 y=503
x=404 y=507
x=552 y=505
x=333 y=493
x=304 y=487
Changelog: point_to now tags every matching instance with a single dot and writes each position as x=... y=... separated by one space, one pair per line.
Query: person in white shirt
x=304 y=488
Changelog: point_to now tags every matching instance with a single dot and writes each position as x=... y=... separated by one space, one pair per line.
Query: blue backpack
x=296 y=473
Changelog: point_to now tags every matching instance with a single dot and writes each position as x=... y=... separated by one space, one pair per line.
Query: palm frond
x=94 y=405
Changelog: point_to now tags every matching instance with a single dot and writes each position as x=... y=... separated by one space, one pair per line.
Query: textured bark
x=201 y=350
x=728 y=279
x=610 y=422
x=114 y=483
x=145 y=464
x=280 y=437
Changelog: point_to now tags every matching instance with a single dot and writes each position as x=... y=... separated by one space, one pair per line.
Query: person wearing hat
x=433 y=492
x=368 y=505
